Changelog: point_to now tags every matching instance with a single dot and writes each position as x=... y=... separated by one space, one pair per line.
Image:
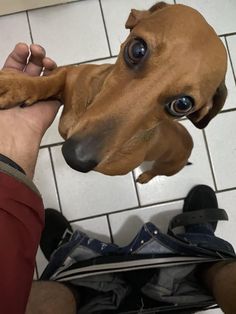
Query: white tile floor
x=115 y=208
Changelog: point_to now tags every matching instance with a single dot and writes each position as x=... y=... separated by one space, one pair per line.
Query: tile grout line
x=105 y=27
x=30 y=29
x=128 y=209
x=55 y=179
x=230 y=59
x=226 y=190
x=227 y=110
x=227 y=34
x=51 y=145
x=222 y=111
x=110 y=230
x=94 y=60
x=136 y=189
x=209 y=159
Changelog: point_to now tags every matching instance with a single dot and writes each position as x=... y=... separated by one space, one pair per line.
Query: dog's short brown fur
x=114 y=116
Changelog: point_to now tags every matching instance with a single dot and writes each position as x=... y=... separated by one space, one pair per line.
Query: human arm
x=21 y=223
x=21 y=206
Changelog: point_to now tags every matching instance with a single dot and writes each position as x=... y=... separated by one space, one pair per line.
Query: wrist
x=11 y=163
x=21 y=131
x=23 y=152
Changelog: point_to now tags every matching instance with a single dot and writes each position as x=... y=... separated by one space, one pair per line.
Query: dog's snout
x=80 y=154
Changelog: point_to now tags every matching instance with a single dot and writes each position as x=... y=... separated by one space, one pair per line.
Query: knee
x=48 y=297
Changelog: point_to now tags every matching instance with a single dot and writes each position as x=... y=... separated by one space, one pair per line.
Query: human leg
x=48 y=297
x=220 y=279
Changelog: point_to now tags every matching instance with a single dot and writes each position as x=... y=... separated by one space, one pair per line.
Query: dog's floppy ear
x=136 y=15
x=134 y=18
x=203 y=116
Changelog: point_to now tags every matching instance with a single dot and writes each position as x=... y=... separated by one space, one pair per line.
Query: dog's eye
x=135 y=51
x=180 y=107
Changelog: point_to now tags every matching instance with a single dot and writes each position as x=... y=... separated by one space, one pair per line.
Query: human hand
x=21 y=129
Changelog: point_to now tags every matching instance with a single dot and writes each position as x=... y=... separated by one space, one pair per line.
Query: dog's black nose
x=80 y=155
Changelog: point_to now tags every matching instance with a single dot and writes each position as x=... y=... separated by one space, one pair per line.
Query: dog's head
x=171 y=65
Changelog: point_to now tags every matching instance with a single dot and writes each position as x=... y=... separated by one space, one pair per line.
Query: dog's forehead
x=177 y=21
x=182 y=14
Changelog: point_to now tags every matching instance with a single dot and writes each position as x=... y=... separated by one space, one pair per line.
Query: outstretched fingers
x=34 y=65
x=18 y=57
x=49 y=65
x=31 y=60
x=38 y=62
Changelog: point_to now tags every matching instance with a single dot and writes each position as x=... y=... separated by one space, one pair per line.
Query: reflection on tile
x=85 y=195
x=162 y=188
x=220 y=16
x=222 y=145
x=125 y=225
x=44 y=180
x=95 y=227
x=70 y=33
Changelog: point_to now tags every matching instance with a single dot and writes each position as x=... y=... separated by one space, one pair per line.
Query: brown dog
x=116 y=116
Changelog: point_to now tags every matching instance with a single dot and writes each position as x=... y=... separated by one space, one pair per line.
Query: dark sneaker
x=200 y=212
x=56 y=232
